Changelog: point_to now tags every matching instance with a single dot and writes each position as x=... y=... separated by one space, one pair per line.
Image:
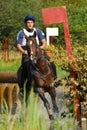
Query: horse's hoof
x=55 y=110
x=63 y=114
x=51 y=117
x=58 y=83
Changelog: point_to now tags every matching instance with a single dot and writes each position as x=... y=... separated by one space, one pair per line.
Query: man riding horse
x=21 y=45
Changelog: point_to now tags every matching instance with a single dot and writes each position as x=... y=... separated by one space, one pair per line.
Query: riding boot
x=22 y=75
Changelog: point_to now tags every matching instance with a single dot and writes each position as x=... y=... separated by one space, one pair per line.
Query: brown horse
x=42 y=74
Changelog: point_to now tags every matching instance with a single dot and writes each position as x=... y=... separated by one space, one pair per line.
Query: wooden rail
x=8 y=77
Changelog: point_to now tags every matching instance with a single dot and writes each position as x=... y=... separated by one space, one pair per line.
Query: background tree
x=12 y=15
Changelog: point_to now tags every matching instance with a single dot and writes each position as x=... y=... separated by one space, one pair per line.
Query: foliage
x=76 y=85
x=77 y=23
x=59 y=56
x=64 y=123
x=78 y=65
x=12 y=17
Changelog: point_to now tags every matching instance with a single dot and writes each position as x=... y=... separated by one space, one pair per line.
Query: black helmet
x=29 y=17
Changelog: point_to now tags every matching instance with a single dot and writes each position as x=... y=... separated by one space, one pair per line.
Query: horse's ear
x=34 y=33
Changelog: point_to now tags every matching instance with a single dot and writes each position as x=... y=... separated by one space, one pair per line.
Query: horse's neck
x=42 y=65
x=40 y=53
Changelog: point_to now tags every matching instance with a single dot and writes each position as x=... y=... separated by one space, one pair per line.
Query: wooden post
x=8 y=77
x=51 y=39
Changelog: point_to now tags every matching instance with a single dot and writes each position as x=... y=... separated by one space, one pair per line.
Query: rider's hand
x=25 y=52
x=41 y=47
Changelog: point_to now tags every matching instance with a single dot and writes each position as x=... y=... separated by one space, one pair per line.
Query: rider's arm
x=20 y=42
x=42 y=39
x=44 y=43
x=21 y=49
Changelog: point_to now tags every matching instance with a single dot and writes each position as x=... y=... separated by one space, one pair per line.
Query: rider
x=29 y=29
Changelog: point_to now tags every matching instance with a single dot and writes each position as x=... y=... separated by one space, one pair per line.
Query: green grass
x=32 y=121
x=10 y=65
x=66 y=123
x=13 y=63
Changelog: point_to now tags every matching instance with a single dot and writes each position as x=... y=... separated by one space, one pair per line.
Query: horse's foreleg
x=46 y=103
x=52 y=93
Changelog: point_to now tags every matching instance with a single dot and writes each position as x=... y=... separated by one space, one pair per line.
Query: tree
x=12 y=15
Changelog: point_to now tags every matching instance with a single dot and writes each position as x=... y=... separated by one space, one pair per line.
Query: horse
x=41 y=74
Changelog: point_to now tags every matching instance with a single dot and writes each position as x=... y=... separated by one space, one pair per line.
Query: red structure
x=59 y=15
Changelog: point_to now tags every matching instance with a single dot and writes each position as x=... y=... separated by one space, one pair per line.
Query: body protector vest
x=30 y=34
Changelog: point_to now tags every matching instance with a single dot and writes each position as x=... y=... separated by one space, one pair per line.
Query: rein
x=43 y=76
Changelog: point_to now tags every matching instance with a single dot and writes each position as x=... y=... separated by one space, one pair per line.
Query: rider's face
x=29 y=24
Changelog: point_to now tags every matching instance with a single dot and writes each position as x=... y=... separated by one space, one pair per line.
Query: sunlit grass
x=12 y=64
x=30 y=119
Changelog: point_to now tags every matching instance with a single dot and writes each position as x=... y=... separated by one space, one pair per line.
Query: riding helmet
x=29 y=17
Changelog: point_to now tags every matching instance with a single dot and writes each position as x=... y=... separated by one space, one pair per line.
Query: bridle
x=34 y=57
x=32 y=48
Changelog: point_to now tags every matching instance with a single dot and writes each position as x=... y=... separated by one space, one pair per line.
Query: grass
x=66 y=123
x=31 y=120
x=10 y=66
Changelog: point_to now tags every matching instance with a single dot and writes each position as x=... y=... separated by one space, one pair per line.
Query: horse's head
x=32 y=46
